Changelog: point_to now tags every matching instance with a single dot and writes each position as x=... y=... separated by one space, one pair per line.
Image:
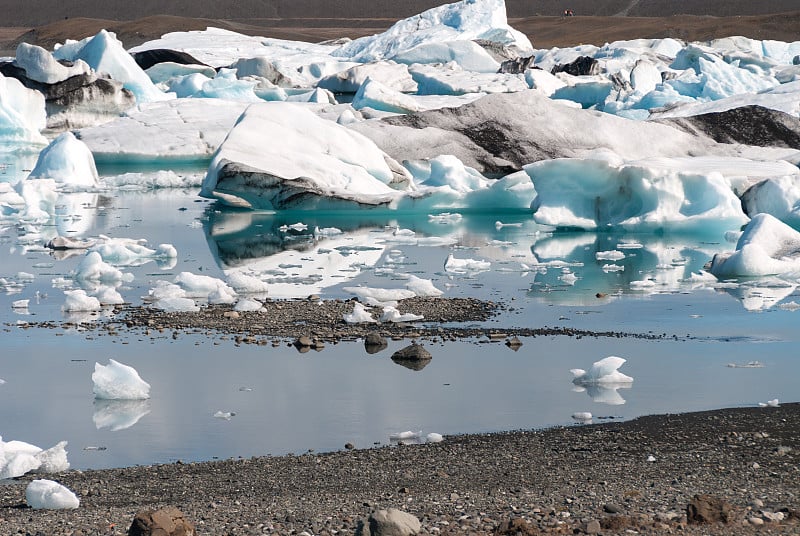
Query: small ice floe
x=612 y=255
x=226 y=415
x=583 y=417
x=499 y=225
x=20 y=304
x=749 y=364
x=433 y=437
x=299 y=226
x=445 y=218
x=602 y=372
x=18 y=458
x=789 y=306
x=117 y=381
x=567 y=277
x=327 y=231
x=642 y=284
x=613 y=268
x=630 y=245
x=408 y=434
x=463 y=266
x=50 y=495
x=391 y=314
x=774 y=403
x=359 y=315
x=410 y=437
x=422 y=287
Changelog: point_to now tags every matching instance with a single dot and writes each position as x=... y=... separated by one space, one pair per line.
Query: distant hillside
x=39 y=12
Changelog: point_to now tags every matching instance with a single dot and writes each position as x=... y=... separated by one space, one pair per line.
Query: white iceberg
x=603 y=372
x=359 y=315
x=281 y=156
x=465 y=266
x=460 y=21
x=117 y=381
x=18 y=458
x=767 y=246
x=41 y=66
x=22 y=114
x=67 y=160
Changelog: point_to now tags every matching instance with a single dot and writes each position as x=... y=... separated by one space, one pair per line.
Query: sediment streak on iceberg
x=281 y=156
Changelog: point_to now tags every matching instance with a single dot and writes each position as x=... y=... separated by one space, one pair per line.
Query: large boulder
x=391 y=522
x=167 y=521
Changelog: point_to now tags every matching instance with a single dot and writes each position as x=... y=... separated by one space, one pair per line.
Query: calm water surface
x=285 y=401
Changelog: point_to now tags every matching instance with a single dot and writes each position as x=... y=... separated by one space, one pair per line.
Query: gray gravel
x=561 y=480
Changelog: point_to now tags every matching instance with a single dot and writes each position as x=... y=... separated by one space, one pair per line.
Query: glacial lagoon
x=285 y=401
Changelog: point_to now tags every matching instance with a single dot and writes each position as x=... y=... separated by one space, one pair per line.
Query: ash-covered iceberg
x=281 y=156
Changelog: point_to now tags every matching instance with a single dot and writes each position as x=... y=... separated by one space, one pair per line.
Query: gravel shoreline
x=611 y=478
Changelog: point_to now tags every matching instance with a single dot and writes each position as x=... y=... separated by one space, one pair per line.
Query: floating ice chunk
x=129 y=252
x=543 y=81
x=774 y=403
x=20 y=304
x=391 y=314
x=642 y=284
x=176 y=304
x=605 y=191
x=464 y=20
x=164 y=71
x=380 y=295
x=468 y=54
x=749 y=364
x=359 y=315
x=118 y=415
x=388 y=74
x=584 y=417
x=602 y=372
x=767 y=246
x=463 y=266
x=50 y=495
x=104 y=53
x=790 y=306
x=109 y=296
x=373 y=94
x=225 y=415
x=243 y=283
x=568 y=278
x=422 y=287
x=22 y=114
x=433 y=437
x=304 y=159
x=401 y=436
x=778 y=196
x=327 y=231
x=612 y=255
x=201 y=286
x=445 y=217
x=92 y=268
x=53 y=460
x=41 y=66
x=78 y=300
x=117 y=381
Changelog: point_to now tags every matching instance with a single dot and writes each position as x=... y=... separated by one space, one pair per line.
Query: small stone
x=233 y=315
x=775 y=517
x=611 y=508
x=349 y=446
x=303 y=341
x=753 y=520
x=374 y=342
x=592 y=527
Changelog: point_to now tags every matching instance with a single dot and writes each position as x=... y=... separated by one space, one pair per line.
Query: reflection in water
x=119 y=414
x=604 y=393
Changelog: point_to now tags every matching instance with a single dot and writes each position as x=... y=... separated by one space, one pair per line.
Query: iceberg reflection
x=119 y=414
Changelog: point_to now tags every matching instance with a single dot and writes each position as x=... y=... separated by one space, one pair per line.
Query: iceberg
x=603 y=372
x=117 y=381
x=767 y=247
x=281 y=156
x=388 y=73
x=104 y=53
x=605 y=191
x=41 y=66
x=22 y=114
x=469 y=55
x=68 y=161
x=460 y=21
x=18 y=458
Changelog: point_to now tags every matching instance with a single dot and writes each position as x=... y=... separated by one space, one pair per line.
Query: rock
x=391 y=522
x=517 y=65
x=611 y=508
x=413 y=356
x=517 y=526
x=231 y=314
x=304 y=341
x=592 y=527
x=582 y=66
x=708 y=509
x=753 y=520
x=374 y=342
x=774 y=517
x=167 y=521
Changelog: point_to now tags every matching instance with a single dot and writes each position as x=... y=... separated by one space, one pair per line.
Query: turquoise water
x=285 y=401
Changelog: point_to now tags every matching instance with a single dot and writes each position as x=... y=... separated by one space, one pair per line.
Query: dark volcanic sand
x=555 y=481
